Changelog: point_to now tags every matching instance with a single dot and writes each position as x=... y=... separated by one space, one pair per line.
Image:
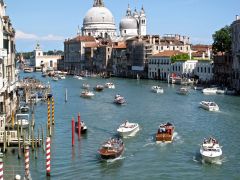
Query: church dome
x=98 y=15
x=128 y=22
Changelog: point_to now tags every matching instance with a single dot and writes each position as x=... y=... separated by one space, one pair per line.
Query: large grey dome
x=97 y=15
x=128 y=22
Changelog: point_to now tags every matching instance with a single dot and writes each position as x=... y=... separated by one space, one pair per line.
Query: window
x=51 y=63
x=125 y=31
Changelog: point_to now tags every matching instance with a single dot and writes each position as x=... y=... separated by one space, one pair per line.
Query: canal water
x=143 y=158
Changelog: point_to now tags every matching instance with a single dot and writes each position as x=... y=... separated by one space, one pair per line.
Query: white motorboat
x=210 y=150
x=209 y=105
x=110 y=85
x=87 y=94
x=157 y=89
x=61 y=76
x=55 y=78
x=209 y=90
x=119 y=99
x=183 y=91
x=22 y=120
x=77 y=77
x=128 y=129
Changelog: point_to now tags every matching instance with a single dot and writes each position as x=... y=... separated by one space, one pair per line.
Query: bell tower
x=142 y=23
x=98 y=3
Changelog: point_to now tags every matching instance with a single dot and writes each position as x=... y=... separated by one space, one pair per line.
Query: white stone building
x=8 y=76
x=204 y=70
x=133 y=24
x=236 y=53
x=99 y=22
x=44 y=61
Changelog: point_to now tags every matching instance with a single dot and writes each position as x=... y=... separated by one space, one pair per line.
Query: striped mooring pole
x=27 y=162
x=48 y=156
x=1 y=166
x=79 y=126
x=53 y=120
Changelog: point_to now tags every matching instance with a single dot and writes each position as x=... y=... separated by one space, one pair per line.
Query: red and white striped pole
x=27 y=162
x=79 y=126
x=1 y=166
x=73 y=127
x=48 y=156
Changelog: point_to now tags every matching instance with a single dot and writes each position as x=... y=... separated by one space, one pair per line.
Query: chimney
x=237 y=17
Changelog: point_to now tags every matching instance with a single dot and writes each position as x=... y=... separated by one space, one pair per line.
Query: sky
x=50 y=22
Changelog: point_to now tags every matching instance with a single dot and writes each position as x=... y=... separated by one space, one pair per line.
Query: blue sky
x=51 y=21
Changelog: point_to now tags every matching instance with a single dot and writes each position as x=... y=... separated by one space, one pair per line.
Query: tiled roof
x=81 y=39
x=91 y=44
x=167 y=54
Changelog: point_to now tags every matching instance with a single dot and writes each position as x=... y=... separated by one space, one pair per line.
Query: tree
x=222 y=40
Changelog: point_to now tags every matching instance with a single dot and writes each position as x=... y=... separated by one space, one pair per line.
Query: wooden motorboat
x=165 y=133
x=111 y=149
x=83 y=127
x=98 y=88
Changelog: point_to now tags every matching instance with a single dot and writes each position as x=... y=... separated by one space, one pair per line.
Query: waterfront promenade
x=143 y=158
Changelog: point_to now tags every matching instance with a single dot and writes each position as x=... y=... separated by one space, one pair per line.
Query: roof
x=81 y=38
x=91 y=44
x=167 y=54
x=120 y=45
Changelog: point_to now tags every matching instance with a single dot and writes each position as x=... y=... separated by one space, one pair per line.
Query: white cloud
x=28 y=36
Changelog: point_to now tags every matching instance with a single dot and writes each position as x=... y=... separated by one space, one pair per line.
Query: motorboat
x=111 y=149
x=110 y=85
x=165 y=133
x=209 y=90
x=83 y=127
x=183 y=91
x=87 y=94
x=55 y=78
x=157 y=89
x=77 y=77
x=209 y=105
x=198 y=88
x=119 y=99
x=98 y=88
x=210 y=150
x=28 y=70
x=128 y=129
x=61 y=76
x=85 y=86
x=22 y=120
x=221 y=91
x=25 y=108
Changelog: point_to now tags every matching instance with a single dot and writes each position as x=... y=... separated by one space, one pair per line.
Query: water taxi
x=98 y=88
x=165 y=133
x=128 y=129
x=208 y=105
x=209 y=91
x=111 y=149
x=85 y=86
x=119 y=99
x=210 y=150
x=183 y=91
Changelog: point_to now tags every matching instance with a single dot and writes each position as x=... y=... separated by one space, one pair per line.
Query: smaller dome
x=128 y=22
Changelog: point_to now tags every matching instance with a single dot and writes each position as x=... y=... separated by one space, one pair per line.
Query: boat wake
x=198 y=159
x=114 y=160
x=177 y=138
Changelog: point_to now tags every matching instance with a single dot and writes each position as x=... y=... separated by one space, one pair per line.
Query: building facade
x=235 y=29
x=44 y=62
x=8 y=76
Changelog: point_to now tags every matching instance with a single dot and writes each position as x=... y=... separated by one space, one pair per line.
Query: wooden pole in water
x=21 y=128
x=4 y=141
x=13 y=114
x=32 y=140
x=43 y=138
x=66 y=97
x=18 y=134
x=49 y=118
x=72 y=131
x=36 y=155
x=53 y=120
x=24 y=135
x=39 y=144
x=29 y=135
x=79 y=126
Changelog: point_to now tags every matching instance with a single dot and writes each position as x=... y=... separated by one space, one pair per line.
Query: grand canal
x=143 y=158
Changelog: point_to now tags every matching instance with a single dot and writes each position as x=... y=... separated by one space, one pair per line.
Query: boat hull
x=209 y=159
x=106 y=155
x=128 y=133
x=164 y=138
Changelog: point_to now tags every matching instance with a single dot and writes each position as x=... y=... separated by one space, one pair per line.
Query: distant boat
x=28 y=70
x=183 y=91
x=110 y=85
x=128 y=129
x=165 y=133
x=119 y=99
x=98 y=88
x=209 y=105
x=157 y=89
x=83 y=127
x=22 y=120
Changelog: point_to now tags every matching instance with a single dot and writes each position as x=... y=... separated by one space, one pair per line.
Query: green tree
x=222 y=40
